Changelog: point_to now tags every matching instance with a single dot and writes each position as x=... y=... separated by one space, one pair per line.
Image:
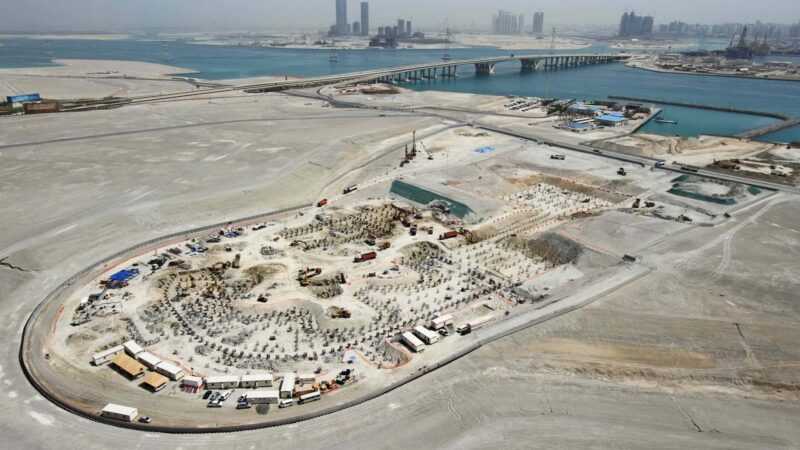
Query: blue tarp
x=486 y=149
x=124 y=275
x=578 y=126
x=25 y=98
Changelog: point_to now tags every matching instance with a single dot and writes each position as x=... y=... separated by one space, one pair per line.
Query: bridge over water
x=405 y=73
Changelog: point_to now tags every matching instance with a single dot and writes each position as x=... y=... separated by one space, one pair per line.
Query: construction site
x=352 y=272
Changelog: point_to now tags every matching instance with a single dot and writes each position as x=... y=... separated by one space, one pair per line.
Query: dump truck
x=448 y=235
x=322 y=202
x=365 y=257
x=621 y=171
x=350 y=189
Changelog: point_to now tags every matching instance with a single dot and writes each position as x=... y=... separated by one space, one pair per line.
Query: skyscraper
x=538 y=23
x=401 y=26
x=341 y=17
x=365 y=18
x=631 y=25
x=507 y=23
x=408 y=27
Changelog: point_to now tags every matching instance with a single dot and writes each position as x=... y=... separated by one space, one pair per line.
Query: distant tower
x=365 y=18
x=401 y=26
x=341 y=17
x=356 y=28
x=538 y=23
x=408 y=27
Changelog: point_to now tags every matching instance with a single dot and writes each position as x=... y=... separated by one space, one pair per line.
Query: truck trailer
x=473 y=324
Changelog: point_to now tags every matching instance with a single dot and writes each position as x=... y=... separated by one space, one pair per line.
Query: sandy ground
x=75 y=78
x=699 y=353
x=518 y=42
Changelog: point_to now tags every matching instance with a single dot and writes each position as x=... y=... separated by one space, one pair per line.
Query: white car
x=285 y=403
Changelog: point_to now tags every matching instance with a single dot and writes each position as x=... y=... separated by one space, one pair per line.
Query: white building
x=148 y=359
x=429 y=337
x=190 y=381
x=106 y=355
x=306 y=378
x=222 y=382
x=287 y=385
x=132 y=348
x=119 y=412
x=412 y=342
x=172 y=371
x=263 y=396
x=441 y=321
x=256 y=380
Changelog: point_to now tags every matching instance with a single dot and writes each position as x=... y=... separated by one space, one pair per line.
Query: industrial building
x=256 y=380
x=119 y=412
x=222 y=382
x=106 y=355
x=611 y=120
x=172 y=371
x=155 y=381
x=130 y=367
x=287 y=385
x=413 y=342
x=148 y=359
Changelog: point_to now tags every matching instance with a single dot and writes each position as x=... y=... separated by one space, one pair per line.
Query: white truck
x=474 y=324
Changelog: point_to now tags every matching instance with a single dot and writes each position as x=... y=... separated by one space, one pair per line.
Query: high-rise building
x=538 y=23
x=408 y=28
x=356 y=28
x=505 y=22
x=631 y=25
x=401 y=26
x=341 y=17
x=365 y=18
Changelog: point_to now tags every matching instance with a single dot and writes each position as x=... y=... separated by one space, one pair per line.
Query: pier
x=786 y=121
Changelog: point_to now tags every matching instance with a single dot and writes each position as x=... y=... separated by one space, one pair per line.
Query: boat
x=671 y=122
x=334 y=57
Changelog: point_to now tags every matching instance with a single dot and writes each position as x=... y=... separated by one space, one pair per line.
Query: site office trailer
x=106 y=355
x=119 y=412
x=222 y=382
x=263 y=396
x=412 y=341
x=148 y=359
x=171 y=371
x=287 y=385
x=256 y=380
x=429 y=337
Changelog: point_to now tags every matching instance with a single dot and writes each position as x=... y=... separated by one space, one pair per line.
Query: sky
x=221 y=15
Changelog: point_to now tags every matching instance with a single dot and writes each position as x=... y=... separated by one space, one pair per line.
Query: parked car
x=285 y=403
x=206 y=395
x=244 y=405
x=145 y=419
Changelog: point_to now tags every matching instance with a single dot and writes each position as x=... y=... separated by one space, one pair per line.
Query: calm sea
x=585 y=83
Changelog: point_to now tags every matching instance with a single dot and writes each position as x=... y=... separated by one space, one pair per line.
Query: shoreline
x=632 y=65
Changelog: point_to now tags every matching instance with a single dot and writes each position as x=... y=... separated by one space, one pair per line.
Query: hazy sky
x=121 y=15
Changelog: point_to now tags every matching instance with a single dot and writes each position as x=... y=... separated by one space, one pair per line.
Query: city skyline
x=118 y=15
